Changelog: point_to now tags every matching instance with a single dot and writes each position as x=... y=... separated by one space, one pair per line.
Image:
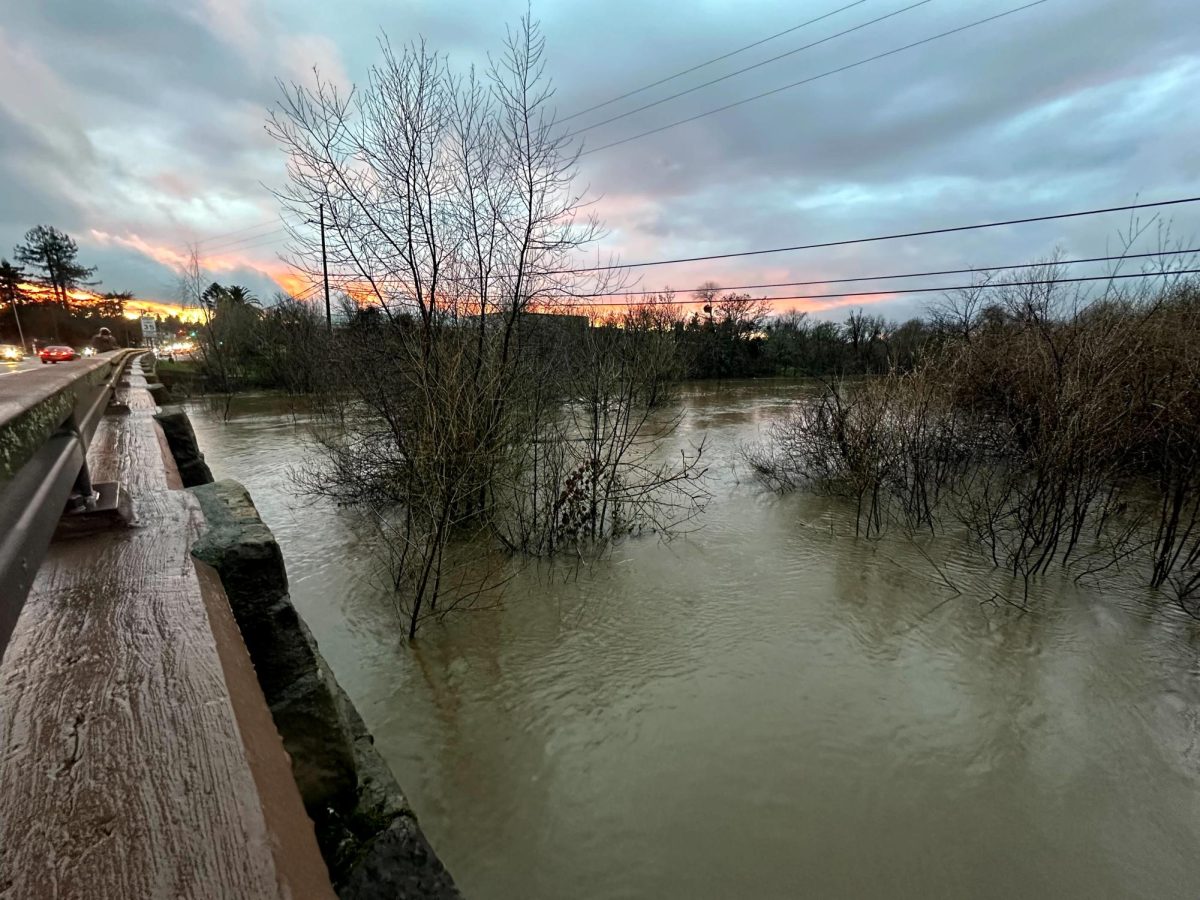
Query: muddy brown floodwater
x=764 y=708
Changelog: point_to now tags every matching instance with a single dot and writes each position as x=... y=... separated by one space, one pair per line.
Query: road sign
x=149 y=328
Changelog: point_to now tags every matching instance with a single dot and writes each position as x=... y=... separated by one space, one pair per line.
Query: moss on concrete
x=32 y=409
x=21 y=437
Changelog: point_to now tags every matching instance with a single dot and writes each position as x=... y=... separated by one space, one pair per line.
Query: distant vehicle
x=11 y=353
x=56 y=353
x=87 y=351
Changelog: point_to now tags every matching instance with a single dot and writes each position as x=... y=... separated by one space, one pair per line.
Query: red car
x=56 y=353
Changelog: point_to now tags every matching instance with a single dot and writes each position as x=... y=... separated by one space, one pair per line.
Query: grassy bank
x=184 y=377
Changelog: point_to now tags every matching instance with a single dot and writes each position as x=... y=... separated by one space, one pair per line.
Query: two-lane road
x=7 y=367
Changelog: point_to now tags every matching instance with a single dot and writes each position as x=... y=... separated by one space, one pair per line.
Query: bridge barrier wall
x=367 y=831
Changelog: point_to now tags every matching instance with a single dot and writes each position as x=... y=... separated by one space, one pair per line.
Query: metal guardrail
x=47 y=420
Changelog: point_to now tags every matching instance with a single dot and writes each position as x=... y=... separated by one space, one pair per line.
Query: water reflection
x=763 y=708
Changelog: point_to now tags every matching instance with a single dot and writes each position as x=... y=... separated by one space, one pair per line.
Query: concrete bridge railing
x=47 y=420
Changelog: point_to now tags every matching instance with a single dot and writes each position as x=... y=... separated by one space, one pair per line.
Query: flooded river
x=763 y=708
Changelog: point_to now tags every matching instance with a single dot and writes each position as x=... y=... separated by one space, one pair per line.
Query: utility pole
x=325 y=272
x=20 y=330
x=324 y=263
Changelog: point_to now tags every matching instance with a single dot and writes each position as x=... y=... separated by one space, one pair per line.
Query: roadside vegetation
x=245 y=344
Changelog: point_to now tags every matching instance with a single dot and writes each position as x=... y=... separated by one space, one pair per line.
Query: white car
x=11 y=353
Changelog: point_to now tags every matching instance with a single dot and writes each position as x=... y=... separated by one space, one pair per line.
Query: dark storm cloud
x=137 y=124
x=28 y=194
x=1068 y=106
x=911 y=109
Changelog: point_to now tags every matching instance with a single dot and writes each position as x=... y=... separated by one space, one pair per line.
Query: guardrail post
x=83 y=496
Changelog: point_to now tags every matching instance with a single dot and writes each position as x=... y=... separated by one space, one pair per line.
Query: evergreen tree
x=11 y=278
x=112 y=304
x=54 y=253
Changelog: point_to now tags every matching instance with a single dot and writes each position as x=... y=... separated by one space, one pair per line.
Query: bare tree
x=959 y=313
x=743 y=314
x=451 y=209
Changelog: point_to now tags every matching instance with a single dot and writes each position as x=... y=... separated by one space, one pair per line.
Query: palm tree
x=240 y=296
x=212 y=295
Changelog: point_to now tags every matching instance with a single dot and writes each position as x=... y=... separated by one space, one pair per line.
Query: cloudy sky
x=137 y=126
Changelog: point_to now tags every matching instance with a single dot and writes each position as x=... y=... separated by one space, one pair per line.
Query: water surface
x=765 y=707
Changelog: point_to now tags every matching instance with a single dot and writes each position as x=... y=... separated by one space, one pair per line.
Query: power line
x=350 y=279
x=223 y=234
x=257 y=241
x=919 y=290
x=973 y=269
x=250 y=239
x=742 y=71
x=786 y=87
x=866 y=240
x=307 y=292
x=715 y=59
x=254 y=240
x=882 y=237
x=888 y=293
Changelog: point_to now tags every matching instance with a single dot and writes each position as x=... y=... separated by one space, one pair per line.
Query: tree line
x=247 y=344
x=242 y=343
x=736 y=335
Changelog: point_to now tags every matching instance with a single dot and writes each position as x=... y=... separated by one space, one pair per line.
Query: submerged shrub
x=1054 y=429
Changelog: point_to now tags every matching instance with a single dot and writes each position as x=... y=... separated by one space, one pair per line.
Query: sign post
x=149 y=331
